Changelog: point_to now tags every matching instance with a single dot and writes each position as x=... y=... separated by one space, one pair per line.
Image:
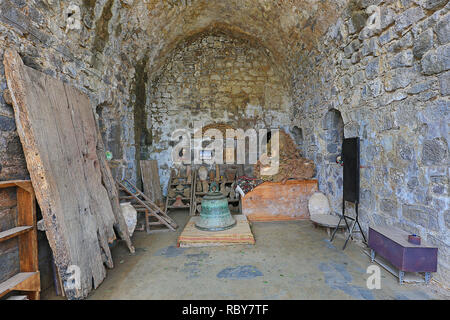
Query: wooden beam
x=14 y=232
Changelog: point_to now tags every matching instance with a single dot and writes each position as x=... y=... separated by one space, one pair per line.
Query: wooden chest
x=392 y=244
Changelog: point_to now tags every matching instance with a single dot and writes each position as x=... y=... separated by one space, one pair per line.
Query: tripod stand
x=350 y=157
x=351 y=228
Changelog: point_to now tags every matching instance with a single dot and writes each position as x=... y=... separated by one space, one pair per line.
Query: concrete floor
x=291 y=260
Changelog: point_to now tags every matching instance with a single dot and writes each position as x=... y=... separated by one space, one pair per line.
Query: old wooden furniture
x=184 y=183
x=67 y=165
x=143 y=204
x=27 y=279
x=392 y=244
x=225 y=182
x=327 y=221
x=277 y=201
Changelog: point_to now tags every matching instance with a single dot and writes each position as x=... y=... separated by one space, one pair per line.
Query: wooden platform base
x=239 y=234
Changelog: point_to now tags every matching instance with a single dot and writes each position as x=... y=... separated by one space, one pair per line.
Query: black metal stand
x=351 y=228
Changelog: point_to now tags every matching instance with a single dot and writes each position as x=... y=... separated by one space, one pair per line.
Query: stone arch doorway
x=215 y=76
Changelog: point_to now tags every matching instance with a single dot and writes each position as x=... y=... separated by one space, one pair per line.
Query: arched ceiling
x=285 y=27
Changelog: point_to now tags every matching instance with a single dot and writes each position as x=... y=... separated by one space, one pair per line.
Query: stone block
x=402 y=59
x=444 y=83
x=434 y=151
x=372 y=89
x=351 y=48
x=403 y=43
x=372 y=68
x=421 y=215
x=387 y=17
x=423 y=43
x=447 y=218
x=436 y=61
x=439 y=185
x=398 y=78
x=7 y=124
x=442 y=29
x=370 y=46
x=407 y=18
x=433 y=4
x=420 y=87
x=387 y=37
x=389 y=207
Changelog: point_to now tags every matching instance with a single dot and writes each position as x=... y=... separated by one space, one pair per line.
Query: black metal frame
x=352 y=198
x=349 y=229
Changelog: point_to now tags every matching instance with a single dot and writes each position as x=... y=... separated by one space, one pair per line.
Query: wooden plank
x=150 y=181
x=14 y=232
x=23 y=281
x=172 y=173
x=110 y=185
x=26 y=216
x=17 y=298
x=277 y=201
x=57 y=129
x=14 y=183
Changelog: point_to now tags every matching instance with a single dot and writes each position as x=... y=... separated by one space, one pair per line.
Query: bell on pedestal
x=215 y=214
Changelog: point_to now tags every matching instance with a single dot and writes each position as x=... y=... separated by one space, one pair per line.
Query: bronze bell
x=215 y=214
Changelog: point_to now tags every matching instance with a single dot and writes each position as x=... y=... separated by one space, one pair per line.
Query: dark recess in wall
x=142 y=135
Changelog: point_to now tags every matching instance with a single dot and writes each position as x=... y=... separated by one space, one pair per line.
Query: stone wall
x=214 y=78
x=150 y=67
x=390 y=86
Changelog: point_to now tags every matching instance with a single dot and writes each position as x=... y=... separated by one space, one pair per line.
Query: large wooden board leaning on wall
x=151 y=182
x=56 y=126
x=277 y=201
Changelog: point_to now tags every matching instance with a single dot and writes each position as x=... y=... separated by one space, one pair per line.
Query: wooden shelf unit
x=28 y=279
x=171 y=184
x=198 y=195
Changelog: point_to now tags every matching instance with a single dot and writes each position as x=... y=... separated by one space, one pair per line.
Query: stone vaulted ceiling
x=285 y=27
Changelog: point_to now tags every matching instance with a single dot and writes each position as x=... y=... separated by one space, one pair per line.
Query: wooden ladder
x=28 y=279
x=143 y=204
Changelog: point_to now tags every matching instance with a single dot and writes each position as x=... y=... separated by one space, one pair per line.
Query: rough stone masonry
x=312 y=67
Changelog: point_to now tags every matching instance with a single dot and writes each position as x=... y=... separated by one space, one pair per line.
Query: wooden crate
x=277 y=201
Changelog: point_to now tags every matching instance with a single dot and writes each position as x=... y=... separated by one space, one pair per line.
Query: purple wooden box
x=392 y=244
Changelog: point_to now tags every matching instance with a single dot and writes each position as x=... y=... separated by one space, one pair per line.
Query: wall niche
x=298 y=136
x=334 y=133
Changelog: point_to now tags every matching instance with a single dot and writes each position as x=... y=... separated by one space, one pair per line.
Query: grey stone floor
x=291 y=260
